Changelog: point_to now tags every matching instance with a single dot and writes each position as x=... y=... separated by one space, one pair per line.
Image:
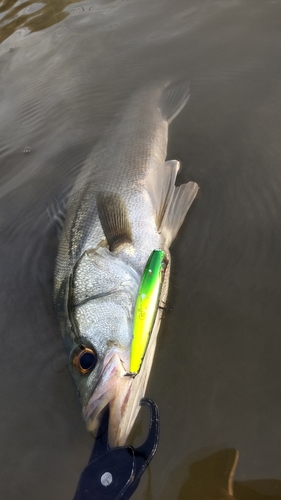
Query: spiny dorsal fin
x=173 y=99
x=160 y=184
x=170 y=203
x=114 y=219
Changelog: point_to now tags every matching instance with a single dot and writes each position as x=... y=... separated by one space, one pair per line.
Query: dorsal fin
x=160 y=184
x=170 y=203
x=114 y=219
x=174 y=97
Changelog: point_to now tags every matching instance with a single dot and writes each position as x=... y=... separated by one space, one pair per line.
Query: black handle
x=114 y=474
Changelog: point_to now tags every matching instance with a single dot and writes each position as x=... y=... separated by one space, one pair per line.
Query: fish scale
x=92 y=278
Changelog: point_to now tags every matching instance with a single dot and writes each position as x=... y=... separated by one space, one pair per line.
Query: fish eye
x=84 y=359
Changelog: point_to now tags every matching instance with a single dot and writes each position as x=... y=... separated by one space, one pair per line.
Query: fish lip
x=103 y=391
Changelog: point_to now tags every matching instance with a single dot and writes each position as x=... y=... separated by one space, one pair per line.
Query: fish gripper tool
x=114 y=473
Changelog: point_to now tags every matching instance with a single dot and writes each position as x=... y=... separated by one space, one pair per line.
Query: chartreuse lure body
x=146 y=307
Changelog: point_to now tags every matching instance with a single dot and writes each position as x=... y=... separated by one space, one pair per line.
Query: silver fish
x=122 y=207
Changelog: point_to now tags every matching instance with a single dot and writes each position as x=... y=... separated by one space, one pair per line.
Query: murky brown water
x=66 y=69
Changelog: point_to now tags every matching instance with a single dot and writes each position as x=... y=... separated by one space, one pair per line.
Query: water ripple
x=77 y=10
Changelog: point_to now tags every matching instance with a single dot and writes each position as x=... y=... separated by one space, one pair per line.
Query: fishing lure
x=146 y=307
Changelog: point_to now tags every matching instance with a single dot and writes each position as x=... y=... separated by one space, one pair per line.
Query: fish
x=123 y=206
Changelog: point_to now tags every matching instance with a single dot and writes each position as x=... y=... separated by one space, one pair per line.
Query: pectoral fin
x=173 y=99
x=56 y=209
x=114 y=219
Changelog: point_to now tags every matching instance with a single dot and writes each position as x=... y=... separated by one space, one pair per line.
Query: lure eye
x=85 y=359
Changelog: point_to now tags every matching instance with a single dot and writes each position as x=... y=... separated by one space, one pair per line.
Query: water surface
x=67 y=69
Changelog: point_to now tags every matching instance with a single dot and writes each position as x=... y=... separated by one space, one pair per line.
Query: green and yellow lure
x=146 y=307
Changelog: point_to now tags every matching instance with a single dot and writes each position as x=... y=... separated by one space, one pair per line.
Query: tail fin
x=173 y=99
x=171 y=203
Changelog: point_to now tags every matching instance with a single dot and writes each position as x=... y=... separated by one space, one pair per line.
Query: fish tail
x=174 y=97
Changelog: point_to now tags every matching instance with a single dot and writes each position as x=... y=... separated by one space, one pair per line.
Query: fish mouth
x=113 y=390
x=120 y=392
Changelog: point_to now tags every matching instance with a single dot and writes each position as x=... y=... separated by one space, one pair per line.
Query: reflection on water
x=67 y=69
x=212 y=479
x=34 y=16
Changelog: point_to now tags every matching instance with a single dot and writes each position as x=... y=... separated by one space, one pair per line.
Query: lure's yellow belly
x=146 y=307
